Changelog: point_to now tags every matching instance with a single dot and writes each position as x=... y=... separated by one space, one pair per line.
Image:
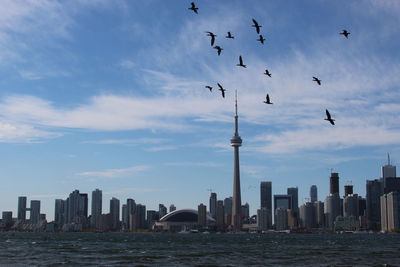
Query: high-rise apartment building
x=35 y=211
x=97 y=206
x=130 y=210
x=332 y=209
x=390 y=211
x=334 y=183
x=350 y=206
x=114 y=212
x=213 y=205
x=266 y=202
x=307 y=216
x=220 y=215
x=374 y=191
x=59 y=212
x=162 y=210
x=77 y=206
x=294 y=192
x=21 y=208
x=313 y=193
x=202 y=215
x=172 y=208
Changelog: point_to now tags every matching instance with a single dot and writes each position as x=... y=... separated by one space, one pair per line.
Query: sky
x=111 y=95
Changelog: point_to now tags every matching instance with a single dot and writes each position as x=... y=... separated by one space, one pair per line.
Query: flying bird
x=267 y=101
x=345 y=33
x=212 y=37
x=241 y=62
x=230 y=36
x=194 y=8
x=267 y=73
x=209 y=88
x=256 y=26
x=219 y=49
x=261 y=39
x=329 y=118
x=315 y=79
x=222 y=90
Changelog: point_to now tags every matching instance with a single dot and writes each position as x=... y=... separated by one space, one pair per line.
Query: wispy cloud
x=138 y=141
x=114 y=173
x=196 y=164
x=134 y=190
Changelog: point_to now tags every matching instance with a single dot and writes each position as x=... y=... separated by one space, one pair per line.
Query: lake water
x=159 y=249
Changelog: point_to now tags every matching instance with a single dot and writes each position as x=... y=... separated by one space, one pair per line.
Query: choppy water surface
x=150 y=249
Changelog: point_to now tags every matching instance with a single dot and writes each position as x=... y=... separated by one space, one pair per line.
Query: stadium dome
x=184 y=215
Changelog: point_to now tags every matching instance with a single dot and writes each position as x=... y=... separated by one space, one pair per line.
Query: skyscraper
x=348 y=190
x=97 y=205
x=172 y=208
x=77 y=206
x=313 y=193
x=114 y=212
x=59 y=212
x=162 y=210
x=332 y=209
x=220 y=215
x=213 y=205
x=130 y=211
x=236 y=142
x=202 y=215
x=294 y=192
x=388 y=170
x=334 y=183
x=266 y=205
x=22 y=208
x=374 y=191
x=35 y=211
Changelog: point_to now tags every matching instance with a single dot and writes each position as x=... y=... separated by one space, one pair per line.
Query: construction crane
x=331 y=169
x=350 y=182
x=210 y=189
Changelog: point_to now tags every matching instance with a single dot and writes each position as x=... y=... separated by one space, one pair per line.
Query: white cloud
x=114 y=173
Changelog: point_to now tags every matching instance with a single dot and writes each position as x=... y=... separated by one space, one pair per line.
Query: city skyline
x=111 y=95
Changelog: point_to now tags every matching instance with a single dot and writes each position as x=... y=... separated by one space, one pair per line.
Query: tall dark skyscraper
x=97 y=205
x=313 y=193
x=236 y=142
x=114 y=212
x=21 y=208
x=294 y=192
x=35 y=211
x=334 y=183
x=77 y=206
x=374 y=191
x=266 y=203
x=213 y=205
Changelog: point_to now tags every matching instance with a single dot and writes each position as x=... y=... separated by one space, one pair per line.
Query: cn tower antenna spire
x=236 y=113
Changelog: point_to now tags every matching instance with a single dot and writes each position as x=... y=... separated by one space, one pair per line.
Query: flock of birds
x=261 y=39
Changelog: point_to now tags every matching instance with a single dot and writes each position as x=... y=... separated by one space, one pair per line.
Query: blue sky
x=110 y=95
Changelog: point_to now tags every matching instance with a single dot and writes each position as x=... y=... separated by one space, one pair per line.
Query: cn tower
x=236 y=142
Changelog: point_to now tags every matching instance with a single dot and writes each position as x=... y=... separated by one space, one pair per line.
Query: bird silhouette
x=212 y=37
x=230 y=36
x=222 y=90
x=267 y=101
x=267 y=73
x=329 y=118
x=261 y=39
x=345 y=33
x=241 y=62
x=257 y=26
x=219 y=49
x=315 y=79
x=194 y=8
x=209 y=88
